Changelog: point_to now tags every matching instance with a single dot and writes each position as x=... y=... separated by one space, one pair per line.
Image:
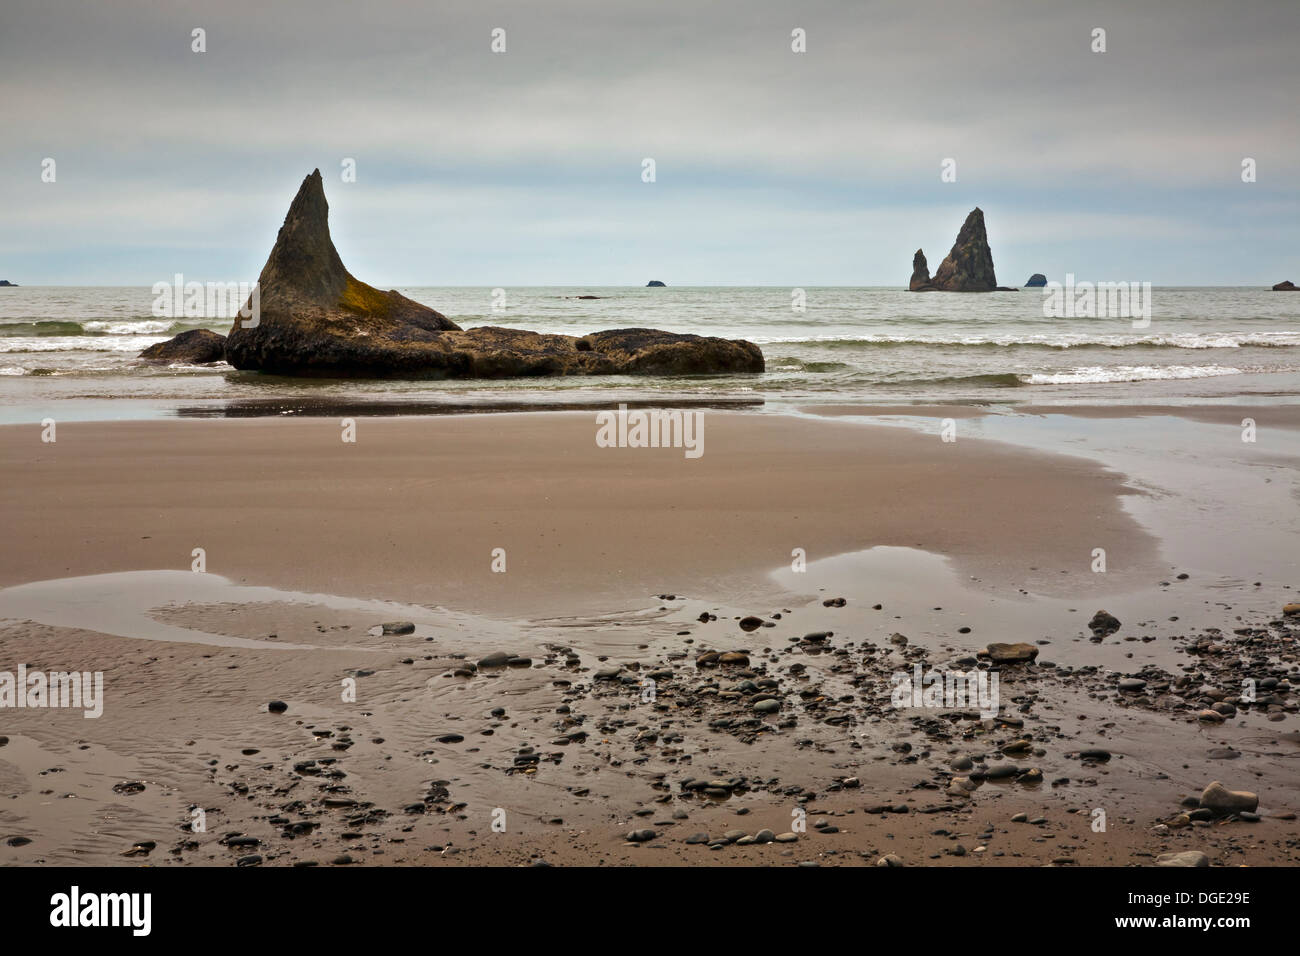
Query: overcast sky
x=772 y=167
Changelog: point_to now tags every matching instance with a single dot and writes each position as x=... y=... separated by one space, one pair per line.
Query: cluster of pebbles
x=814 y=688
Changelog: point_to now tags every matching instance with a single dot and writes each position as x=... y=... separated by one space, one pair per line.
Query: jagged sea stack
x=314 y=315
x=920 y=274
x=968 y=267
x=317 y=319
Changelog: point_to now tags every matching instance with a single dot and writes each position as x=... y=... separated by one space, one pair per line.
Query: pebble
x=1185 y=858
x=1221 y=800
x=1010 y=653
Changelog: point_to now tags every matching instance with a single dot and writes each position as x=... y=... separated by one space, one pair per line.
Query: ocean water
x=65 y=348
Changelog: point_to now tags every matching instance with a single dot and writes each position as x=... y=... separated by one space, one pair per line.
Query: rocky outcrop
x=920 y=274
x=655 y=284
x=7 y=283
x=193 y=347
x=1036 y=280
x=968 y=267
x=1287 y=286
x=315 y=318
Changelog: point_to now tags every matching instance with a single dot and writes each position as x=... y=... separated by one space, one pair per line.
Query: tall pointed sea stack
x=315 y=318
x=920 y=274
x=968 y=267
x=310 y=305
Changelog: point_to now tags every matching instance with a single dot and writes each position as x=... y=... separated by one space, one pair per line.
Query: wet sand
x=1273 y=416
x=414 y=508
x=622 y=565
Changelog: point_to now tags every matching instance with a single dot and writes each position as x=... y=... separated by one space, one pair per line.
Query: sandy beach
x=823 y=557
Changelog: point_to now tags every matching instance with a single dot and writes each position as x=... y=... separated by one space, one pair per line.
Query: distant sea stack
x=316 y=319
x=1036 y=280
x=968 y=267
x=654 y=284
x=6 y=282
x=1287 y=286
x=920 y=274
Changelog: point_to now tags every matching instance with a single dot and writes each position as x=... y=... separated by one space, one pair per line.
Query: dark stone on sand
x=316 y=319
x=398 y=627
x=495 y=659
x=1103 y=624
x=195 y=347
x=654 y=284
x=750 y=623
x=1036 y=280
x=1094 y=754
x=1287 y=286
x=967 y=268
x=641 y=836
x=18 y=841
x=1010 y=653
x=277 y=707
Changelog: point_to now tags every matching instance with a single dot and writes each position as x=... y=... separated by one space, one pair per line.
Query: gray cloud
x=193 y=156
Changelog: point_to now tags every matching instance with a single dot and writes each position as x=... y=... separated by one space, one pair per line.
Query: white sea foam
x=1058 y=340
x=1096 y=374
x=78 y=343
x=137 y=327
